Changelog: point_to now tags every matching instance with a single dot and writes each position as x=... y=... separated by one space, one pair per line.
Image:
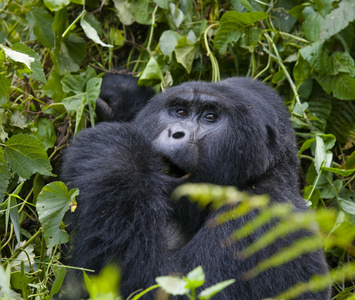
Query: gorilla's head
x=228 y=133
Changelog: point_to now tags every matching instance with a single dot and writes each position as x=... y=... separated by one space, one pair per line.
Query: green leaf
x=314 y=197
x=247 y=5
x=339 y=171
x=164 y=4
x=59 y=278
x=5 y=175
x=342 y=62
x=195 y=278
x=250 y=38
x=53 y=87
x=73 y=103
x=105 y=284
x=18 y=56
x=168 y=40
x=46 y=132
x=151 y=73
x=172 y=285
x=317 y=56
x=72 y=52
x=298 y=110
x=185 y=53
x=279 y=76
x=330 y=191
x=312 y=25
x=41 y=21
x=5 y=84
x=306 y=145
x=76 y=83
x=52 y=203
x=214 y=289
x=342 y=86
x=232 y=25
x=91 y=33
x=347 y=206
x=55 y=5
x=280 y=17
x=350 y=161
x=222 y=42
x=12 y=212
x=124 y=11
x=324 y=142
x=176 y=15
x=35 y=66
x=93 y=89
x=5 y=283
x=142 y=11
x=338 y=19
x=26 y=156
x=14 y=216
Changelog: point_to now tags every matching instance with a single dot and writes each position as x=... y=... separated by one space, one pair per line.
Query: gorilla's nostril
x=178 y=135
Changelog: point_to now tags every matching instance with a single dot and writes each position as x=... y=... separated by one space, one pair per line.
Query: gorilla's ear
x=103 y=109
x=272 y=138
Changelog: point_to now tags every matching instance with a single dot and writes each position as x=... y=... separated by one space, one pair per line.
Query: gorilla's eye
x=181 y=112
x=211 y=117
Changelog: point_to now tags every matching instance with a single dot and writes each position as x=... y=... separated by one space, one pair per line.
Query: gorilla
x=232 y=133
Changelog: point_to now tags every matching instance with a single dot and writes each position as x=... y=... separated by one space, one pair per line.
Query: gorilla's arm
x=122 y=208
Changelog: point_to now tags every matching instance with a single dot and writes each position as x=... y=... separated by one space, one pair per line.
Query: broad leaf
x=347 y=206
x=142 y=11
x=168 y=41
x=124 y=11
x=35 y=64
x=185 y=53
x=195 y=278
x=312 y=24
x=176 y=15
x=342 y=86
x=5 y=84
x=231 y=26
x=45 y=130
x=338 y=19
x=317 y=56
x=41 y=22
x=55 y=5
x=91 y=33
x=172 y=285
x=151 y=73
x=53 y=87
x=52 y=203
x=18 y=56
x=26 y=156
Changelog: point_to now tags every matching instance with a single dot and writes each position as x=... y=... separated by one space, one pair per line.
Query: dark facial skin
x=189 y=125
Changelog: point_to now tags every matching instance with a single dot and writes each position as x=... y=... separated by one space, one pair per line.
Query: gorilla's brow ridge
x=188 y=99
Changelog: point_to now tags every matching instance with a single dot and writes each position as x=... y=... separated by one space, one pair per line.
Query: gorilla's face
x=223 y=133
x=189 y=127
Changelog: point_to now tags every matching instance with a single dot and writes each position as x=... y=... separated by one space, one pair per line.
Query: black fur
x=121 y=98
x=123 y=171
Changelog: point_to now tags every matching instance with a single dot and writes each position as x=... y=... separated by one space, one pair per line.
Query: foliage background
x=53 y=53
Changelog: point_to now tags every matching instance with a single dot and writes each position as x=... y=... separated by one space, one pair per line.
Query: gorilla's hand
x=121 y=98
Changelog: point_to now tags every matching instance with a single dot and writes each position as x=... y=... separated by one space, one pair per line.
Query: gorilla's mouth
x=173 y=170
